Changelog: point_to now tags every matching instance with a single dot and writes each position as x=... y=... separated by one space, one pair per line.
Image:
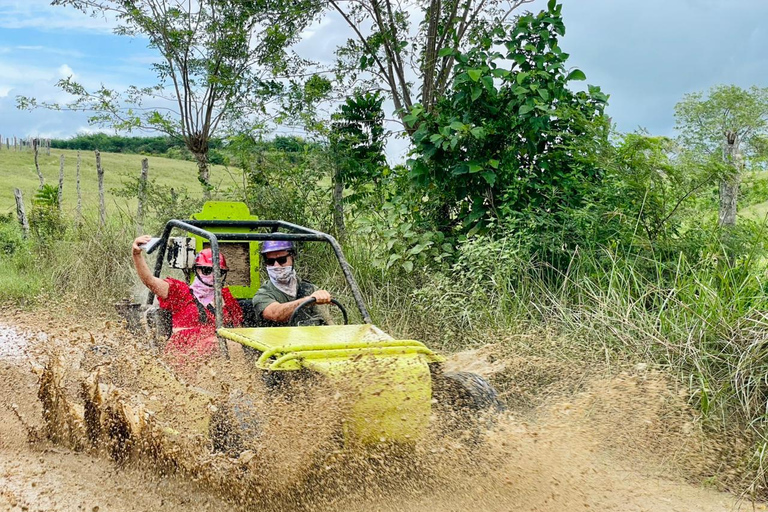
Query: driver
x=277 y=298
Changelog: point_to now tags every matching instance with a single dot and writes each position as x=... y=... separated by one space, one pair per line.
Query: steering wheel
x=312 y=300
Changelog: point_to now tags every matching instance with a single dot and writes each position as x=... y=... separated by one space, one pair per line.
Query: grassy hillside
x=17 y=170
x=756 y=212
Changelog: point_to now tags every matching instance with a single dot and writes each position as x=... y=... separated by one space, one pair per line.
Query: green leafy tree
x=217 y=67
x=510 y=138
x=648 y=201
x=357 y=140
x=390 y=52
x=730 y=124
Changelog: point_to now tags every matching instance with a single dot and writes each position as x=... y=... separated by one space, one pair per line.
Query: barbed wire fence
x=14 y=143
x=34 y=145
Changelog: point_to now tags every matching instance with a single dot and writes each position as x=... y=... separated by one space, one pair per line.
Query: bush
x=11 y=236
x=162 y=203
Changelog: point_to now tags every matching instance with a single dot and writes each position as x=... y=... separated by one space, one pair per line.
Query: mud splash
x=601 y=448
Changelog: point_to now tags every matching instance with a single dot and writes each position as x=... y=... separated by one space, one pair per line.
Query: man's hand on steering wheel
x=322 y=297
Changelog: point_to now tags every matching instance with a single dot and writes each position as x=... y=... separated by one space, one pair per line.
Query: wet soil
x=624 y=441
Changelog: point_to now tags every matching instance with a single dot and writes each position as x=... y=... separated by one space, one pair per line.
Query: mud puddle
x=13 y=345
x=601 y=449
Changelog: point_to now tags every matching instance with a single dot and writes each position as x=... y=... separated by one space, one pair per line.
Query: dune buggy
x=396 y=385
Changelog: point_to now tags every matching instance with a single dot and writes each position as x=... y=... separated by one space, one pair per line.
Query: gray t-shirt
x=268 y=293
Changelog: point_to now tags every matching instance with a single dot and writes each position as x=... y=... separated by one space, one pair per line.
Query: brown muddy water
x=619 y=442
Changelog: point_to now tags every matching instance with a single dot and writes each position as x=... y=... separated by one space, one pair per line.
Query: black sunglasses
x=206 y=271
x=281 y=260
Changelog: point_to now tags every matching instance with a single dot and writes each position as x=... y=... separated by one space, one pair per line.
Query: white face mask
x=284 y=279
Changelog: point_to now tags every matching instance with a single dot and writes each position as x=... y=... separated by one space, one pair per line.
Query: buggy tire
x=465 y=402
x=234 y=424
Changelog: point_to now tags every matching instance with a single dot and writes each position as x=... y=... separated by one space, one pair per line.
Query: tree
x=357 y=150
x=217 y=68
x=729 y=124
x=651 y=184
x=413 y=64
x=510 y=138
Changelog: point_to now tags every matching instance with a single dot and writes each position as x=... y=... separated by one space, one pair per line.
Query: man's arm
x=281 y=313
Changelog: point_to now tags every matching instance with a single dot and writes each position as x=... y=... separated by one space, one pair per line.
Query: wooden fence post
x=15 y=147
x=102 y=206
x=35 y=147
x=142 y=193
x=79 y=195
x=61 y=180
x=48 y=147
x=20 y=213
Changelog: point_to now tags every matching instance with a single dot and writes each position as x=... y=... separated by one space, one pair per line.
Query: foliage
x=11 y=236
x=116 y=143
x=399 y=237
x=389 y=52
x=45 y=220
x=754 y=189
x=704 y=120
x=85 y=264
x=284 y=184
x=651 y=192
x=89 y=264
x=162 y=202
x=163 y=146
x=357 y=141
x=727 y=126
x=509 y=138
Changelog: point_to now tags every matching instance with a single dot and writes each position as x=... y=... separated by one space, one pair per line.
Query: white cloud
x=66 y=72
x=39 y=14
x=50 y=50
x=18 y=74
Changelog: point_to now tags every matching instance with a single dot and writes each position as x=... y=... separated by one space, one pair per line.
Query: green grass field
x=17 y=170
x=756 y=212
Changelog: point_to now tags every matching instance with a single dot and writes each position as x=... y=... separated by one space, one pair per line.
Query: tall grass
x=89 y=264
x=706 y=320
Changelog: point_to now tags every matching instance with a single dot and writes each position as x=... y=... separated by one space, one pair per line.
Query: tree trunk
x=204 y=174
x=142 y=192
x=36 y=147
x=20 y=213
x=729 y=186
x=60 y=195
x=338 y=205
x=102 y=205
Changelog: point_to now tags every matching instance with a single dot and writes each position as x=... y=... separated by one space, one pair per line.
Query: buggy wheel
x=234 y=425
x=465 y=403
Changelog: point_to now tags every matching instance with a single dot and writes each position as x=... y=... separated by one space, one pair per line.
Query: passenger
x=277 y=298
x=192 y=307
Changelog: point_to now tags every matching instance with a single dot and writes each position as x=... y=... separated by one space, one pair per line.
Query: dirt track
x=603 y=449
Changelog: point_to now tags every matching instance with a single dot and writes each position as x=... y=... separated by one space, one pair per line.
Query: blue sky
x=645 y=54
